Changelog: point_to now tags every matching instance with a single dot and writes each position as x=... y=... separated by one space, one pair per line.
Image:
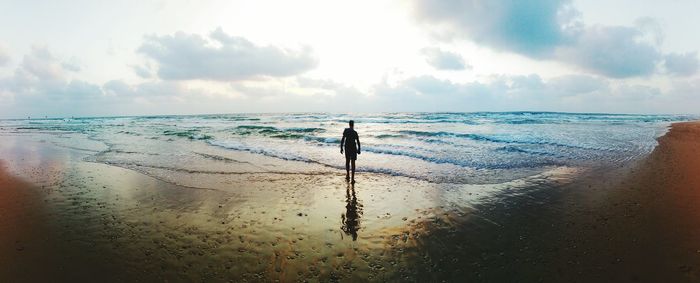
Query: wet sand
x=23 y=228
x=67 y=219
x=639 y=223
x=647 y=227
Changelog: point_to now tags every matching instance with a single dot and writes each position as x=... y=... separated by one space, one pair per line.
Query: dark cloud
x=682 y=64
x=444 y=60
x=548 y=29
x=189 y=56
x=533 y=28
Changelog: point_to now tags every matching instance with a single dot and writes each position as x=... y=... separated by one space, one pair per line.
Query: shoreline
x=638 y=223
x=634 y=223
x=662 y=196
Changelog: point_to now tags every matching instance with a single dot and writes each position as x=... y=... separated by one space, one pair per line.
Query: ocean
x=450 y=148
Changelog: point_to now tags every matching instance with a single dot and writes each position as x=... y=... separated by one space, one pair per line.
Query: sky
x=107 y=58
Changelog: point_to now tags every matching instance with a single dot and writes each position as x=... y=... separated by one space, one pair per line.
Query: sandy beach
x=66 y=218
x=646 y=228
x=334 y=141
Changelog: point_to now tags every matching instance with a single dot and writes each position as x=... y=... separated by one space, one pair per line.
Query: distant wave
x=524 y=121
x=60 y=128
x=494 y=139
x=528 y=151
x=468 y=163
x=305 y=130
x=190 y=134
x=229 y=118
x=388 y=136
x=322 y=140
x=232 y=145
x=274 y=132
x=220 y=158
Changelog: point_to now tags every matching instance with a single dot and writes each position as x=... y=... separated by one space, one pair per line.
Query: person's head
x=352 y=124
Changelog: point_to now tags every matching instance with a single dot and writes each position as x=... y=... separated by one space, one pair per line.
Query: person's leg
x=347 y=168
x=353 y=170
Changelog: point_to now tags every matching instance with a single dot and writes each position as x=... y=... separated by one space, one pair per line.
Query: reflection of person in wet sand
x=353 y=211
x=351 y=149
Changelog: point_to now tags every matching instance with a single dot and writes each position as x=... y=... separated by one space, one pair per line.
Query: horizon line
x=345 y=113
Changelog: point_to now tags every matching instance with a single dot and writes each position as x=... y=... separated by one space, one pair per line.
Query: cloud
x=142 y=71
x=40 y=84
x=682 y=64
x=651 y=29
x=530 y=82
x=443 y=60
x=71 y=65
x=300 y=91
x=499 y=93
x=612 y=51
x=153 y=89
x=40 y=73
x=43 y=85
x=547 y=29
x=77 y=88
x=4 y=56
x=687 y=88
x=189 y=56
x=41 y=64
x=327 y=86
x=428 y=93
x=527 y=27
x=577 y=84
x=635 y=92
x=429 y=85
x=117 y=87
x=575 y=93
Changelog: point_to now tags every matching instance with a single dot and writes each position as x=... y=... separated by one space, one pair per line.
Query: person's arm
x=358 y=144
x=342 y=140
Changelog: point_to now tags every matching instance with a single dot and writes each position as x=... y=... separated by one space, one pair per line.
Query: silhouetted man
x=351 y=149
